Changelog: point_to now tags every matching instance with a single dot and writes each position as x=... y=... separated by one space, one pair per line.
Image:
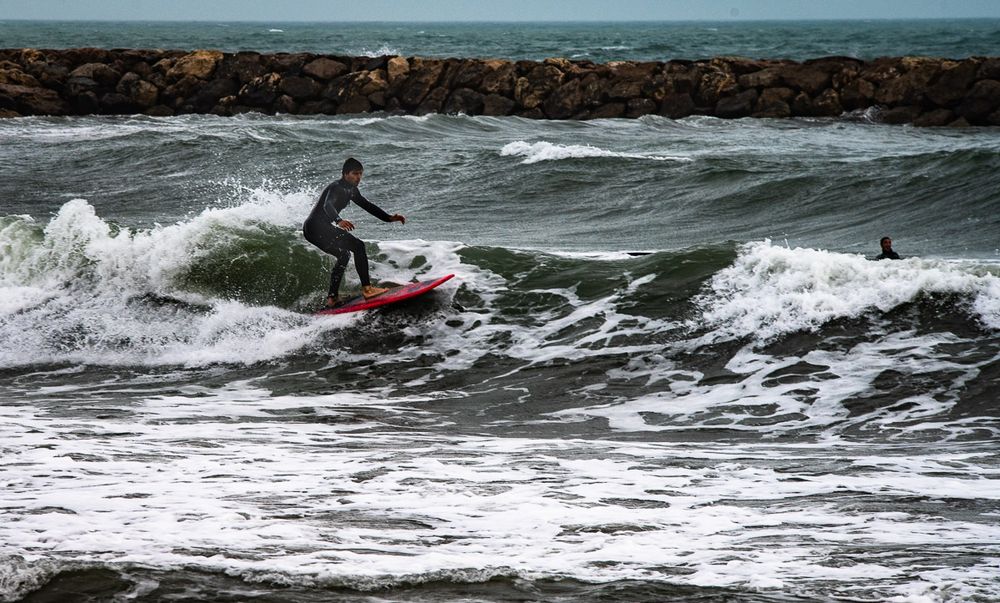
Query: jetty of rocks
x=82 y=81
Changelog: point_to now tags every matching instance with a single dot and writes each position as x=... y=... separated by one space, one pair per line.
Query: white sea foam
x=772 y=290
x=206 y=479
x=232 y=480
x=381 y=51
x=67 y=289
x=365 y=121
x=761 y=400
x=547 y=151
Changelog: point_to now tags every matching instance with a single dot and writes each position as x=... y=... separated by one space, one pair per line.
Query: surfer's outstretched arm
x=371 y=208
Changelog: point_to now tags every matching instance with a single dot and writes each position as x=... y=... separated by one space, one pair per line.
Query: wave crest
x=771 y=291
x=547 y=151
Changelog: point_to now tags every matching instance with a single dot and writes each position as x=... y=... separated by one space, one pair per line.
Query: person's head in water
x=352 y=171
x=886 y=244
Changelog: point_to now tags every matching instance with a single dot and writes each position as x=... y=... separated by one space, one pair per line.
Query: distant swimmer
x=325 y=229
x=887 y=252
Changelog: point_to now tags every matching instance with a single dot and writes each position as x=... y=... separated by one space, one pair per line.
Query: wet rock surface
x=919 y=90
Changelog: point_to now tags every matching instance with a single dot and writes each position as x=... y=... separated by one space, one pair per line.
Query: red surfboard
x=396 y=294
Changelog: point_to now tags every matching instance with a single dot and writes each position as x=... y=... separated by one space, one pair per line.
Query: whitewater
x=668 y=367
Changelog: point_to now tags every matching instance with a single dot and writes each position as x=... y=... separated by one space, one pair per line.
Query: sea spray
x=771 y=291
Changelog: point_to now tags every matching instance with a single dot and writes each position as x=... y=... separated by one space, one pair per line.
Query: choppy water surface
x=600 y=42
x=665 y=371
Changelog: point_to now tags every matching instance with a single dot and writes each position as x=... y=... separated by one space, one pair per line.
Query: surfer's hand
x=398 y=218
x=346 y=224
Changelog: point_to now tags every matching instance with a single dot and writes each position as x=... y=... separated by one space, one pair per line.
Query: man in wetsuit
x=325 y=229
x=887 y=252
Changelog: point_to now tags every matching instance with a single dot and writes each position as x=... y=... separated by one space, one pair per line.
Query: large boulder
x=773 y=102
x=433 y=102
x=986 y=90
x=11 y=73
x=952 y=83
x=49 y=75
x=77 y=86
x=372 y=82
x=568 y=67
x=141 y=92
x=565 y=101
x=205 y=97
x=465 y=101
x=677 y=105
x=881 y=70
x=765 y=78
x=499 y=79
x=114 y=103
x=637 y=107
x=300 y=88
x=975 y=110
x=243 y=67
x=989 y=69
x=909 y=87
x=396 y=69
x=628 y=80
x=935 y=119
x=199 y=64
x=532 y=89
x=370 y=85
x=680 y=77
x=900 y=115
x=857 y=94
x=467 y=73
x=740 y=105
x=421 y=79
x=810 y=79
x=81 y=56
x=496 y=105
x=28 y=100
x=324 y=69
x=827 y=104
x=715 y=82
x=260 y=91
x=179 y=91
x=608 y=111
x=318 y=107
x=286 y=63
x=104 y=76
x=86 y=103
x=354 y=104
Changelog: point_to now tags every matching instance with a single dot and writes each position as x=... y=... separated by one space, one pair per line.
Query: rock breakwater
x=919 y=90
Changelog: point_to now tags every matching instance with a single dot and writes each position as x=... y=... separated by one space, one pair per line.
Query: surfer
x=887 y=252
x=325 y=229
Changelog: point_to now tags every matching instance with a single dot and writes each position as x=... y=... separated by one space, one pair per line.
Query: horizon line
x=506 y=21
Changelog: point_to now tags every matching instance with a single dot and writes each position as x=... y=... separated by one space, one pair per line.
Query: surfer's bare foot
x=333 y=302
x=369 y=291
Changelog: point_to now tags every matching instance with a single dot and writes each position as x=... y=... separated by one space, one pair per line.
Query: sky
x=496 y=10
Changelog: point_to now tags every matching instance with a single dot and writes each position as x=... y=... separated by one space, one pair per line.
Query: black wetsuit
x=888 y=255
x=320 y=230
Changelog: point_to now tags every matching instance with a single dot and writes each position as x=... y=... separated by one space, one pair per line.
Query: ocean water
x=600 y=42
x=667 y=368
